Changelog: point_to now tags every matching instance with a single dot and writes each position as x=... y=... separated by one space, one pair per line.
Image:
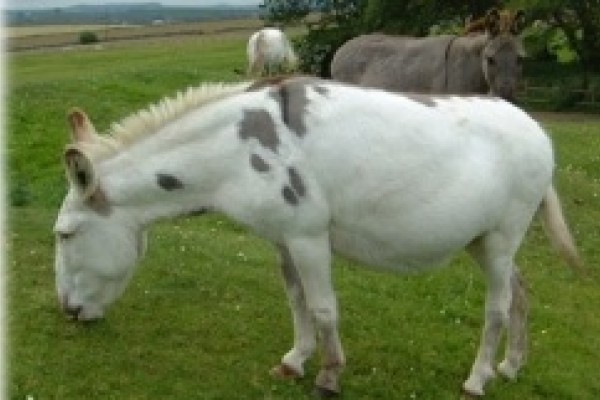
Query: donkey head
x=97 y=245
x=503 y=53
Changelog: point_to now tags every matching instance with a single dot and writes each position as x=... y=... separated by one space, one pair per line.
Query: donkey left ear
x=492 y=21
x=80 y=171
x=82 y=129
x=518 y=22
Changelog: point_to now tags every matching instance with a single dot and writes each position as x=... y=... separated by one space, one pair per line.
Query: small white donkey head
x=97 y=244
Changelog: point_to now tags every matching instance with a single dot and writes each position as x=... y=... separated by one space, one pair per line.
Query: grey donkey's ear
x=518 y=22
x=492 y=21
x=80 y=171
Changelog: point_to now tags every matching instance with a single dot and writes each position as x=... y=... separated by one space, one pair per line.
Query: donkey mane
x=148 y=121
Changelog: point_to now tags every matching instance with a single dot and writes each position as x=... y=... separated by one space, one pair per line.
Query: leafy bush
x=453 y=26
x=558 y=44
x=535 y=40
x=546 y=43
x=316 y=49
x=88 y=37
x=338 y=22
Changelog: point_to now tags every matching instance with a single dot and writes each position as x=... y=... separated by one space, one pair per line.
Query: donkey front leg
x=292 y=364
x=312 y=258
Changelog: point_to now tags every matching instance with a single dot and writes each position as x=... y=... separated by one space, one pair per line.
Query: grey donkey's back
x=487 y=61
x=393 y=62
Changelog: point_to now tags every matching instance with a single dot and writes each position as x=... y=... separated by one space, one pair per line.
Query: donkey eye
x=491 y=61
x=65 y=235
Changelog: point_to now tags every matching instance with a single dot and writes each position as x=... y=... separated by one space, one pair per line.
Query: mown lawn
x=206 y=316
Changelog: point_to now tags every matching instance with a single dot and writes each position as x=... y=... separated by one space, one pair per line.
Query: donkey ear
x=492 y=21
x=518 y=22
x=82 y=129
x=80 y=171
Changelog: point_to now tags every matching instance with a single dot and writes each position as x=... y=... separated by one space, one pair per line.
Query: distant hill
x=114 y=14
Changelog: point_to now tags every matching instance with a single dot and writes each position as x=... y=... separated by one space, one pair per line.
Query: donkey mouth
x=198 y=211
x=79 y=313
x=504 y=92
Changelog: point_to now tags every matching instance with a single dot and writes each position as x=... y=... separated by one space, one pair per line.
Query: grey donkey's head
x=503 y=53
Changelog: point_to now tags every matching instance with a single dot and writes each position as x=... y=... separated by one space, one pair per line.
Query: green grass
x=206 y=316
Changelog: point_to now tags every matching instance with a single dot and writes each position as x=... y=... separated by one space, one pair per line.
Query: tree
x=580 y=22
x=410 y=17
x=478 y=8
x=285 y=11
x=340 y=20
x=336 y=21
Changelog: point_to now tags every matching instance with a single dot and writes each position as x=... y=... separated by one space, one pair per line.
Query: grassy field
x=48 y=30
x=206 y=316
x=66 y=36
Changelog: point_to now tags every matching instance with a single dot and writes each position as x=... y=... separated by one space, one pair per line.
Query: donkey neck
x=471 y=45
x=464 y=64
x=180 y=168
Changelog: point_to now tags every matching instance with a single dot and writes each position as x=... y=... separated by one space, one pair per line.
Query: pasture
x=206 y=316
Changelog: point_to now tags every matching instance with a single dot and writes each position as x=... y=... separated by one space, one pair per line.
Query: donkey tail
x=557 y=230
x=256 y=54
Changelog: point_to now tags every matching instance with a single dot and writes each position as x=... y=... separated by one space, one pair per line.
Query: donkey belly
x=377 y=252
x=416 y=237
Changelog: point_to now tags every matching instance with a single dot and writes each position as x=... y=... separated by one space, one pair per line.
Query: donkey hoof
x=324 y=393
x=468 y=395
x=285 y=372
x=507 y=370
x=472 y=391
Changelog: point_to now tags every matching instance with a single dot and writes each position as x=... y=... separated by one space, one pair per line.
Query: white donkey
x=391 y=180
x=270 y=52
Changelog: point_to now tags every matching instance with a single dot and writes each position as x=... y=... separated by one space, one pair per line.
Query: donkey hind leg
x=516 y=345
x=495 y=253
x=312 y=258
x=304 y=328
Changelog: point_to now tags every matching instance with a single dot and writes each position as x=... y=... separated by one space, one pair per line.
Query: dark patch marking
x=289 y=195
x=99 y=203
x=266 y=82
x=168 y=182
x=491 y=97
x=259 y=124
x=258 y=163
x=424 y=99
x=322 y=90
x=288 y=269
x=296 y=182
x=292 y=98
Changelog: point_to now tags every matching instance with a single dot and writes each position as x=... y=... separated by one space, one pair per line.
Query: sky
x=37 y=4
